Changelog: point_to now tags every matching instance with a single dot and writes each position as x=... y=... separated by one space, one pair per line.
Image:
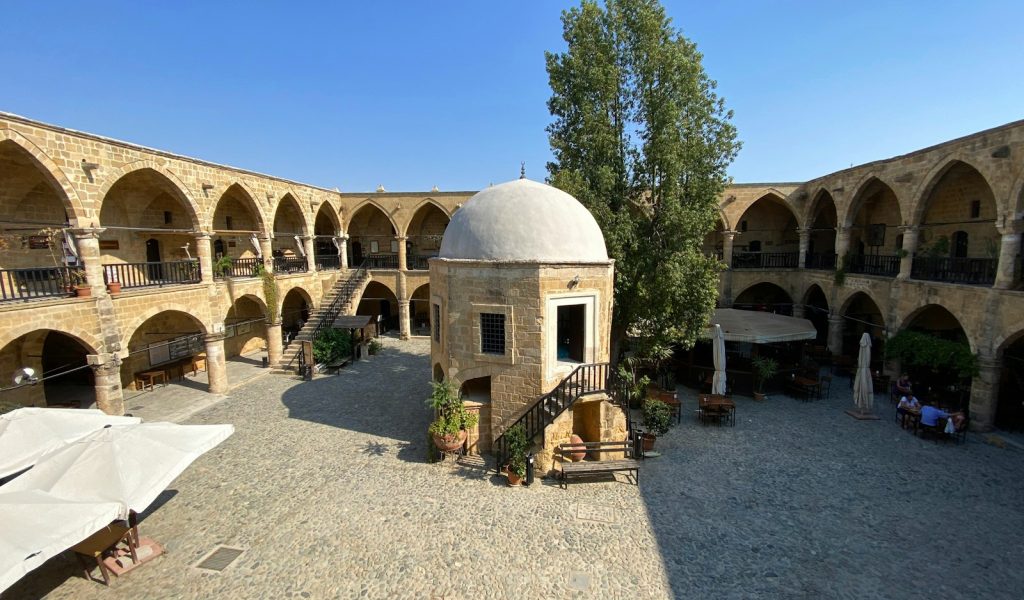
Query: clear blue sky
x=414 y=94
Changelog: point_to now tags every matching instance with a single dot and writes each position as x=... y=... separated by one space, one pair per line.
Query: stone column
x=1005 y=273
x=910 y=239
x=216 y=368
x=985 y=393
x=307 y=245
x=805 y=242
x=404 y=328
x=88 y=243
x=267 y=249
x=107 y=375
x=402 y=258
x=204 y=251
x=798 y=310
x=343 y=251
x=727 y=243
x=842 y=246
x=275 y=347
x=835 y=335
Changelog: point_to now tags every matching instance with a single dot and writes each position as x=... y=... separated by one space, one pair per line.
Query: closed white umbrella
x=37 y=526
x=127 y=464
x=718 y=344
x=863 y=386
x=30 y=432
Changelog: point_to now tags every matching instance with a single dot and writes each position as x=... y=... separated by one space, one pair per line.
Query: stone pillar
x=910 y=240
x=805 y=242
x=728 y=237
x=343 y=251
x=307 y=245
x=402 y=258
x=216 y=369
x=267 y=249
x=1005 y=274
x=88 y=243
x=107 y=383
x=204 y=251
x=835 y=335
x=985 y=393
x=842 y=246
x=798 y=310
x=404 y=327
x=275 y=346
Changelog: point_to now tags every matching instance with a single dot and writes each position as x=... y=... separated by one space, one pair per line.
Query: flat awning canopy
x=759 y=327
x=351 y=321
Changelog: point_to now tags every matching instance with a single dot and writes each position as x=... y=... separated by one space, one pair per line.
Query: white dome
x=523 y=220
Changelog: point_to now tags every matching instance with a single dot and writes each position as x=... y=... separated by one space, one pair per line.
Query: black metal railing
x=46 y=282
x=584 y=380
x=874 y=264
x=765 y=260
x=328 y=262
x=381 y=261
x=152 y=274
x=240 y=267
x=779 y=308
x=826 y=261
x=419 y=262
x=955 y=270
x=324 y=318
x=284 y=264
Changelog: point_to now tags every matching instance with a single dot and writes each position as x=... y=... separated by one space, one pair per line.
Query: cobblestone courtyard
x=325 y=486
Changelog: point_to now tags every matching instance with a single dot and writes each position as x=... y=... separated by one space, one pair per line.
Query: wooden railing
x=584 y=380
x=152 y=274
x=284 y=264
x=978 y=271
x=328 y=262
x=46 y=282
x=826 y=261
x=874 y=264
x=765 y=260
x=381 y=261
x=240 y=267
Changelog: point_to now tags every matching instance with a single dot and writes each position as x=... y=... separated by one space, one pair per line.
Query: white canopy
x=37 y=526
x=718 y=386
x=127 y=464
x=863 y=385
x=28 y=433
x=759 y=327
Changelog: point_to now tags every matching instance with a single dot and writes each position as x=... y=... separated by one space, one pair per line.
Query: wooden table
x=716 y=407
x=149 y=378
x=101 y=543
x=806 y=386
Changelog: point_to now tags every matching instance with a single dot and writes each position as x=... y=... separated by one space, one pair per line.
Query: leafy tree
x=643 y=141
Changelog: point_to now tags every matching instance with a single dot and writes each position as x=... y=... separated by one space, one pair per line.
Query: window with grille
x=437 y=322
x=492 y=333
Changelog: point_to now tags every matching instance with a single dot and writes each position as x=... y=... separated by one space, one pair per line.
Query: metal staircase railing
x=585 y=380
x=325 y=317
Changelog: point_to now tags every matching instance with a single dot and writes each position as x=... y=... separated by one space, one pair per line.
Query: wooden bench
x=591 y=467
x=336 y=364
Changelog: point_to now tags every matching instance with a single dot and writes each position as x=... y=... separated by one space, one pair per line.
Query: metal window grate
x=492 y=333
x=220 y=558
x=437 y=323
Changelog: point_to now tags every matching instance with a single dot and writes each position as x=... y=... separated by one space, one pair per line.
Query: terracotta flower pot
x=514 y=479
x=114 y=287
x=450 y=443
x=759 y=396
x=649 y=442
x=582 y=453
x=83 y=291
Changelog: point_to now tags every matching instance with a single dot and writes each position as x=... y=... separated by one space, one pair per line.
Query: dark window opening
x=228 y=224
x=743 y=225
x=168 y=217
x=959 y=244
x=571 y=332
x=492 y=333
x=437 y=322
x=975 y=209
x=218 y=248
x=754 y=246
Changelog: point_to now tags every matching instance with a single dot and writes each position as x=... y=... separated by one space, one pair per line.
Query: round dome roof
x=523 y=220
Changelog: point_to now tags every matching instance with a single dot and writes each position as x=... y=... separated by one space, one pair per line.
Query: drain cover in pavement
x=579 y=581
x=595 y=512
x=220 y=558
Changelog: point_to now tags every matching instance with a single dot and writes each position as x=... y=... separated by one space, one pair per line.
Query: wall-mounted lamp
x=575 y=281
x=207 y=186
x=89 y=167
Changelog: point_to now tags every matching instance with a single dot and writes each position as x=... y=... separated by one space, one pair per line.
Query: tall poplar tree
x=642 y=140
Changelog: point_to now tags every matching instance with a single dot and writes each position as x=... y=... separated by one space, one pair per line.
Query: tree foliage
x=643 y=141
x=918 y=349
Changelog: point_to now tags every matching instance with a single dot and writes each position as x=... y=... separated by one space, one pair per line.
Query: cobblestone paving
x=325 y=486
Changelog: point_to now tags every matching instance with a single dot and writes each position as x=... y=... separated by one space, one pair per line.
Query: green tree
x=643 y=141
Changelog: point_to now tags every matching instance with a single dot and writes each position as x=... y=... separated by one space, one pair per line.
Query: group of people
x=930 y=415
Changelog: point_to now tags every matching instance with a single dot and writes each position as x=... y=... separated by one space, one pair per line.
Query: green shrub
x=331 y=345
x=918 y=349
x=657 y=416
x=451 y=412
x=518 y=447
x=765 y=368
x=375 y=346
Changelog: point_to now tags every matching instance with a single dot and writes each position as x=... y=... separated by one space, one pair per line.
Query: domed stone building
x=521 y=298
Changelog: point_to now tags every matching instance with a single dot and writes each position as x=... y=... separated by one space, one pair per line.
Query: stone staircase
x=338 y=301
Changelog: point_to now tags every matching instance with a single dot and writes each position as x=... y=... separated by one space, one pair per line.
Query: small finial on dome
x=522 y=170
x=434 y=189
x=380 y=188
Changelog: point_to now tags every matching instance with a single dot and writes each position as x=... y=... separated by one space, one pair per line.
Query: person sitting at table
x=903 y=385
x=907 y=403
x=930 y=415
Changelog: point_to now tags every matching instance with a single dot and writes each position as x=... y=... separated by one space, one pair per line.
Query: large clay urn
x=577 y=455
x=450 y=443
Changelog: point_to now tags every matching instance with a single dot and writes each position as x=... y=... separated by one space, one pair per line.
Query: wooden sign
x=38 y=242
x=109 y=245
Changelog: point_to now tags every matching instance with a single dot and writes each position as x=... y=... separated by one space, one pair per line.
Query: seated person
x=903 y=385
x=908 y=402
x=930 y=415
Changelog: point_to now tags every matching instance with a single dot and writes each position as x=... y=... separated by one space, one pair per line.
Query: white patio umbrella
x=863 y=386
x=37 y=526
x=718 y=345
x=30 y=432
x=127 y=464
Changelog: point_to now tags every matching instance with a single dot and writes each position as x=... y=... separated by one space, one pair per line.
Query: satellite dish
x=25 y=375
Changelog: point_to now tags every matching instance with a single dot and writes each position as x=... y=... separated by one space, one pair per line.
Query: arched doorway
x=372 y=235
x=424 y=234
x=325 y=231
x=766 y=297
x=874 y=221
x=816 y=311
x=1010 y=404
x=60 y=363
x=767 y=236
x=476 y=395
x=245 y=330
x=419 y=310
x=958 y=240
x=289 y=228
x=295 y=310
x=942 y=385
x=861 y=315
x=171 y=341
x=821 y=242
x=379 y=301
x=236 y=220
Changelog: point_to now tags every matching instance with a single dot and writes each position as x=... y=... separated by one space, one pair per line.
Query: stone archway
x=245 y=329
x=378 y=300
x=816 y=311
x=821 y=233
x=765 y=296
x=767 y=235
x=861 y=314
x=419 y=310
x=424 y=234
x=296 y=306
x=60 y=363
x=372 y=238
x=326 y=229
x=288 y=244
x=236 y=218
x=166 y=341
x=1009 y=413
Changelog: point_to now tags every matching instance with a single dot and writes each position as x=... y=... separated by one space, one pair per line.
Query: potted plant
x=518 y=447
x=451 y=417
x=79 y=284
x=764 y=369
x=222 y=266
x=657 y=420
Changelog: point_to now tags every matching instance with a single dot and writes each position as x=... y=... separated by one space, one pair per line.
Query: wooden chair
x=826 y=386
x=104 y=543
